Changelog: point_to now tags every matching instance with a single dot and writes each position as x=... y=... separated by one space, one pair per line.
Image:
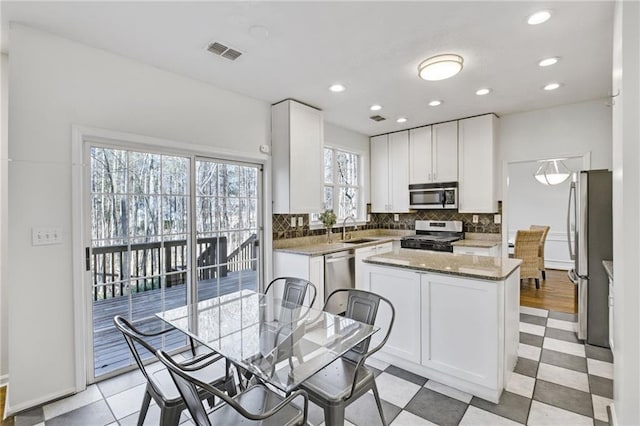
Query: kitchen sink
x=359 y=241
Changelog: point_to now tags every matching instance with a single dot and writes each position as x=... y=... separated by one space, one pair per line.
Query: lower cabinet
x=363 y=253
x=459 y=331
x=402 y=288
x=478 y=251
x=301 y=266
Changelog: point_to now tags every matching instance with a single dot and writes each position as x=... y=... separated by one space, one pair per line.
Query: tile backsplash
x=282 y=229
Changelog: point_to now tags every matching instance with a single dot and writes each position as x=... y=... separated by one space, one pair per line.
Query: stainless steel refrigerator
x=589 y=231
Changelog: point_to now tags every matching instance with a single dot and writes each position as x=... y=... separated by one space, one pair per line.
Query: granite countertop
x=320 y=249
x=608 y=266
x=476 y=243
x=481 y=267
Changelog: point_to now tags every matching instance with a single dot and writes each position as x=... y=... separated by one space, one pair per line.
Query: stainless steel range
x=436 y=235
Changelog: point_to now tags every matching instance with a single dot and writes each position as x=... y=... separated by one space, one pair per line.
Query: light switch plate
x=475 y=218
x=300 y=221
x=46 y=236
x=293 y=222
x=396 y=217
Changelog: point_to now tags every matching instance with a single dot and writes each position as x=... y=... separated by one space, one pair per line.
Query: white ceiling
x=373 y=48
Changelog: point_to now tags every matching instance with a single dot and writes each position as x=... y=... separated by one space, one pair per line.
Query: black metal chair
x=257 y=404
x=346 y=379
x=160 y=386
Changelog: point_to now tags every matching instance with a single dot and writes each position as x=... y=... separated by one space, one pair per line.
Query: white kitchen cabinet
x=433 y=153
x=477 y=165
x=390 y=173
x=402 y=288
x=478 y=251
x=297 y=149
x=363 y=253
x=301 y=266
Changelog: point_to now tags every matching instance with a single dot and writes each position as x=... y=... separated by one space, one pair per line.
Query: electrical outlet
x=475 y=218
x=293 y=222
x=368 y=217
x=396 y=217
x=46 y=236
x=300 y=221
x=497 y=218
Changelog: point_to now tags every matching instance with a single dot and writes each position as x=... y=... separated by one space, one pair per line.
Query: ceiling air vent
x=224 y=51
x=377 y=118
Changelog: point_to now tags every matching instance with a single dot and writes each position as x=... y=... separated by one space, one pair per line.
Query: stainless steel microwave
x=433 y=196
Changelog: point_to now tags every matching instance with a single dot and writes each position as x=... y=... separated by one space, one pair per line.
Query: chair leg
x=144 y=408
x=537 y=283
x=544 y=274
x=334 y=415
x=170 y=416
x=378 y=403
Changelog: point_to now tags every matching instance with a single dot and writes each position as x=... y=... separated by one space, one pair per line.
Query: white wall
x=532 y=203
x=357 y=142
x=626 y=202
x=4 y=128
x=55 y=83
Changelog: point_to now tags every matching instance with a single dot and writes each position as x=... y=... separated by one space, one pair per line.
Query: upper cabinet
x=476 y=167
x=390 y=173
x=297 y=145
x=433 y=153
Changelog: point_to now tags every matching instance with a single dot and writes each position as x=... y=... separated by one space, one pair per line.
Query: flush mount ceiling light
x=539 y=17
x=552 y=172
x=551 y=86
x=435 y=103
x=401 y=120
x=546 y=62
x=440 y=67
x=336 y=88
x=484 y=91
x=375 y=107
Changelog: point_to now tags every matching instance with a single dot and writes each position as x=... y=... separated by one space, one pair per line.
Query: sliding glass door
x=166 y=230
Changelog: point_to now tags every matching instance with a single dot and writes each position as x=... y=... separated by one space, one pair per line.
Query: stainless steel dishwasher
x=339 y=272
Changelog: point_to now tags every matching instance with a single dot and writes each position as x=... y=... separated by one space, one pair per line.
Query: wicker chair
x=526 y=249
x=543 y=240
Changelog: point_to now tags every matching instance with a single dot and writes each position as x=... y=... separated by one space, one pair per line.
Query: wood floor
x=3 y=395
x=556 y=293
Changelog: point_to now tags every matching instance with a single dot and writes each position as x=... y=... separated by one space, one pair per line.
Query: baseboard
x=4 y=380
x=13 y=410
x=562 y=265
x=611 y=413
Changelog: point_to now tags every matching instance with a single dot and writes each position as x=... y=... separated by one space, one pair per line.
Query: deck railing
x=150 y=261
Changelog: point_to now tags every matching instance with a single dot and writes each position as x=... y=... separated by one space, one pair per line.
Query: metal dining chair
x=257 y=404
x=292 y=292
x=346 y=379
x=160 y=386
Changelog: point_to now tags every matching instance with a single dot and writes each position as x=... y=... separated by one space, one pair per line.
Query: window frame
x=314 y=221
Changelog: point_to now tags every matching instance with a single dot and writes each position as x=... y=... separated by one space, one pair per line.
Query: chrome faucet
x=344 y=227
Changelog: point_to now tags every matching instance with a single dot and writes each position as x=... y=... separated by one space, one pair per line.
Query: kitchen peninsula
x=456 y=318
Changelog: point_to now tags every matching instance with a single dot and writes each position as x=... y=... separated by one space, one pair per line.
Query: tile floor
x=558 y=381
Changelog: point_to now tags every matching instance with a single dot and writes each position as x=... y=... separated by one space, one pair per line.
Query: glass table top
x=281 y=344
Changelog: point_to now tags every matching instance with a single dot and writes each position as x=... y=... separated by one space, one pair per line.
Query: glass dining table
x=281 y=344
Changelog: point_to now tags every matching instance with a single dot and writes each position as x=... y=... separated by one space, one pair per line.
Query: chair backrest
x=363 y=306
x=186 y=385
x=294 y=290
x=526 y=249
x=132 y=336
x=545 y=231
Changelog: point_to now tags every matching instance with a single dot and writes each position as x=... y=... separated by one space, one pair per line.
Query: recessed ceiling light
x=375 y=107
x=552 y=86
x=548 y=61
x=539 y=17
x=435 y=103
x=401 y=120
x=440 y=67
x=484 y=91
x=337 y=88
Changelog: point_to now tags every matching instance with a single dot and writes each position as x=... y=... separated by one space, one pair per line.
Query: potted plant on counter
x=328 y=218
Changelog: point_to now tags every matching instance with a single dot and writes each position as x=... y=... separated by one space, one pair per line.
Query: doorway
x=166 y=229
x=528 y=202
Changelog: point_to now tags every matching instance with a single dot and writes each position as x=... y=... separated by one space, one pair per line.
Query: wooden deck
x=111 y=351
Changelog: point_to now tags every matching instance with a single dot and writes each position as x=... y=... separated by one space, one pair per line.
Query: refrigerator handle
x=572 y=192
x=582 y=267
